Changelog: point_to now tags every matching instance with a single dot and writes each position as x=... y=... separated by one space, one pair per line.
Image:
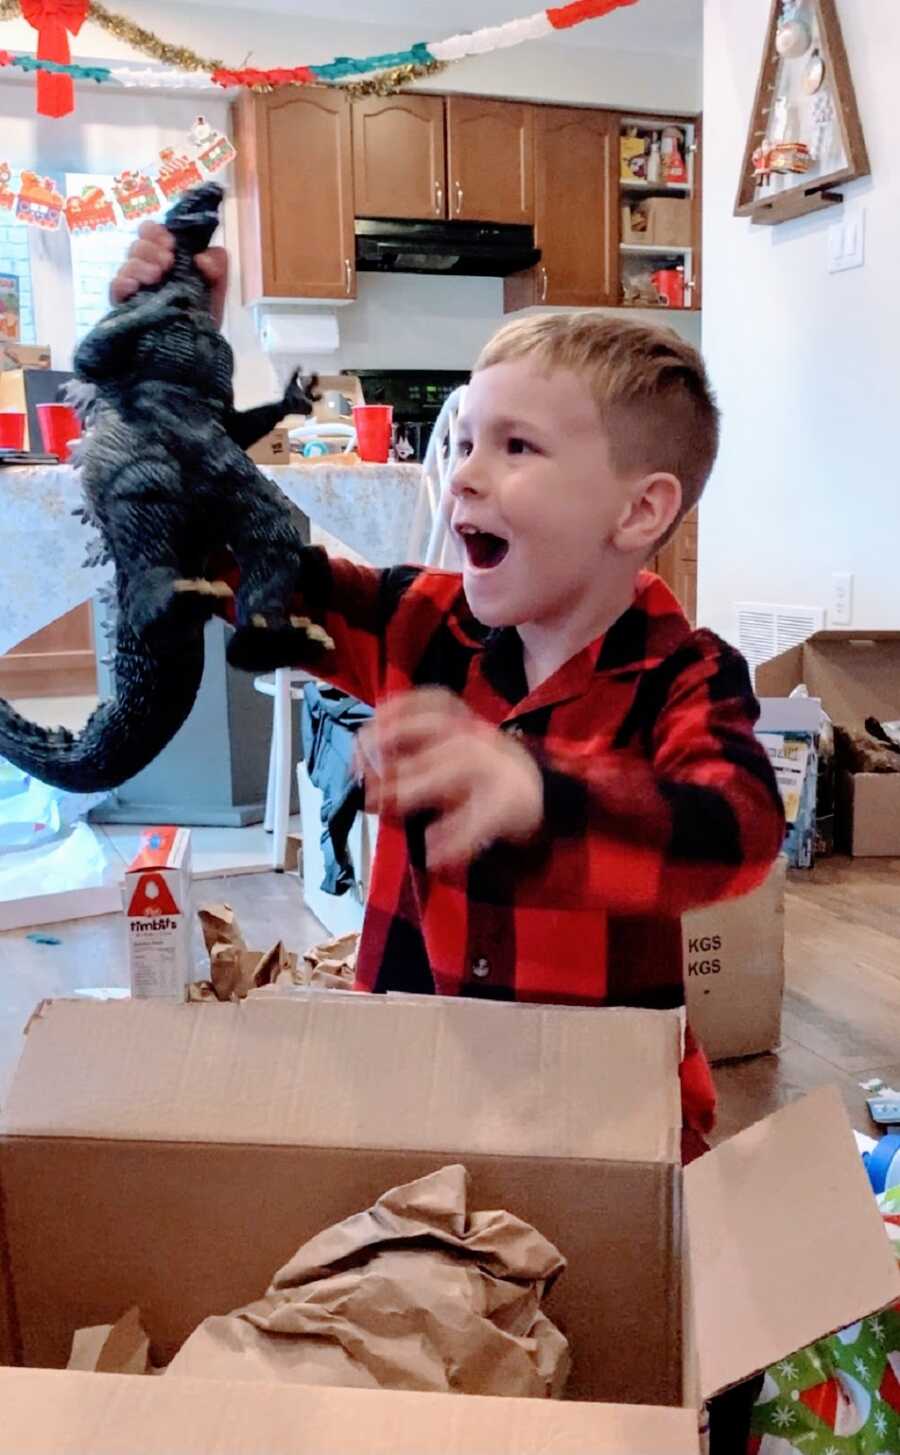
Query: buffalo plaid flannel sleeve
x=695 y=818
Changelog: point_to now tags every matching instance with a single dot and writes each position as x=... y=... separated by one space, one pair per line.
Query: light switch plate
x=847 y=242
x=841 y=598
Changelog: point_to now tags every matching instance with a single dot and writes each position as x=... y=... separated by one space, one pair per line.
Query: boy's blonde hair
x=650 y=386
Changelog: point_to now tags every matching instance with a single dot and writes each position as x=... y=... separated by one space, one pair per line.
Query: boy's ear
x=652 y=509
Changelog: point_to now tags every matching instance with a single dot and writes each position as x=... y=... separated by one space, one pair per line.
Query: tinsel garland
x=381 y=75
x=390 y=82
x=180 y=56
x=385 y=83
x=56 y=68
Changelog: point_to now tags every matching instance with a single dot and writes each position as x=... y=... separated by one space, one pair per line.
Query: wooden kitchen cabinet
x=676 y=563
x=57 y=661
x=399 y=157
x=294 y=183
x=490 y=160
x=576 y=196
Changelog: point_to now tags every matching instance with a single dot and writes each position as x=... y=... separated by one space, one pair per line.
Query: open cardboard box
x=173 y=1156
x=856 y=674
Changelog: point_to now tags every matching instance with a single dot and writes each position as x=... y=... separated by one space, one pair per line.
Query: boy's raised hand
x=425 y=752
x=151 y=256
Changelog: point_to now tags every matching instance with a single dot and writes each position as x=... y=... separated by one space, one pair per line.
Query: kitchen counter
x=381 y=513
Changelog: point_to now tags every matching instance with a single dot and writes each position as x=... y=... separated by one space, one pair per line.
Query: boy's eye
x=464 y=448
x=517 y=446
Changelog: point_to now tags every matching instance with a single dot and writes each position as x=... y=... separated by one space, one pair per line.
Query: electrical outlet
x=841 y=598
x=847 y=242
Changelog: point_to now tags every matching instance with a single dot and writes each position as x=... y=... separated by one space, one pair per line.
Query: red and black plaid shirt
x=657 y=799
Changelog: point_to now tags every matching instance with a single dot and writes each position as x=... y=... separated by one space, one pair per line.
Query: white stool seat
x=284 y=687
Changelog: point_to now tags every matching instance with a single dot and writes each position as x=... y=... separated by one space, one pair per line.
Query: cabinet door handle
x=438 y=199
x=348 y=276
x=545 y=284
x=459 y=198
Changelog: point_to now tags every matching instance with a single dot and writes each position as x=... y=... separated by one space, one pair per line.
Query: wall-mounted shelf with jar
x=659 y=234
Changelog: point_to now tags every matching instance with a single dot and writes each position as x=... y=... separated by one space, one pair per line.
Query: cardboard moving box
x=14 y=355
x=734 y=971
x=273 y=449
x=856 y=674
x=197 y=1146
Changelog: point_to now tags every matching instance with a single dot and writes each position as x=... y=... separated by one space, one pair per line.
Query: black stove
x=417 y=395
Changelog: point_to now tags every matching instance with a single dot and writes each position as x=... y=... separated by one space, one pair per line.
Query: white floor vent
x=765 y=630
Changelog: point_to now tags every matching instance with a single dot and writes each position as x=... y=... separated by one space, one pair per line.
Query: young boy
x=561 y=765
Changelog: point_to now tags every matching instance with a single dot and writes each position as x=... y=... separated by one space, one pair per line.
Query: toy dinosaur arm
x=248 y=426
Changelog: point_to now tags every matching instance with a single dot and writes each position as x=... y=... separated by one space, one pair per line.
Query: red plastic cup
x=59 y=426
x=12 y=430
x=373 y=423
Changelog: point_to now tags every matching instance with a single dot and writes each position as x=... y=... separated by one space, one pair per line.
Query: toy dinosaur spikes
x=169 y=487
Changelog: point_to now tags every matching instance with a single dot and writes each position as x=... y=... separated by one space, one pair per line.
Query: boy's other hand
x=425 y=752
x=151 y=256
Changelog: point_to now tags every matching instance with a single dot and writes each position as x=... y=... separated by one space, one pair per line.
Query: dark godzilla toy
x=170 y=489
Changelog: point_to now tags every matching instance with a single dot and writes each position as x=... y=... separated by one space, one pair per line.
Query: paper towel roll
x=298 y=333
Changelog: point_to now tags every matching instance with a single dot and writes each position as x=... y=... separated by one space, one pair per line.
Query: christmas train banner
x=55 y=20
x=136 y=193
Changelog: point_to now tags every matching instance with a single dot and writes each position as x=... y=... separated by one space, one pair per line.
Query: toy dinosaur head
x=195 y=217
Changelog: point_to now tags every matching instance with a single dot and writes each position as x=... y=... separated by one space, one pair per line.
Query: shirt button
x=481 y=968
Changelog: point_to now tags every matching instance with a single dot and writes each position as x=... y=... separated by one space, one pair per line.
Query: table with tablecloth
x=382 y=513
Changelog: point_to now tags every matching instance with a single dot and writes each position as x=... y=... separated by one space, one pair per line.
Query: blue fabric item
x=329 y=722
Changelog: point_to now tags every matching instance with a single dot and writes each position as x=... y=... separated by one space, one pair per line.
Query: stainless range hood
x=470 y=249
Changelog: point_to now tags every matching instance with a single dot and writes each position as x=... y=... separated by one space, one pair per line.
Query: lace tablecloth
x=381 y=512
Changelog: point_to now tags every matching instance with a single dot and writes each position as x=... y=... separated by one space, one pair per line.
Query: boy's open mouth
x=483 y=549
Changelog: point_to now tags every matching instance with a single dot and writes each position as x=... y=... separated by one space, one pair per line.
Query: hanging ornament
x=7 y=195
x=38 y=202
x=814 y=74
x=136 y=195
x=55 y=21
x=177 y=174
x=90 y=211
x=214 y=150
x=793 y=39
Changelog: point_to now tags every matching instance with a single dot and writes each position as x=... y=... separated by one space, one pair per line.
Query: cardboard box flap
x=855 y=673
x=85 y=1414
x=454 y=1076
x=785 y=1241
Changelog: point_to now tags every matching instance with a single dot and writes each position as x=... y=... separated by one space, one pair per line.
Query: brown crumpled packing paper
x=122 y=1348
x=332 y=966
x=417 y=1293
x=235 y=971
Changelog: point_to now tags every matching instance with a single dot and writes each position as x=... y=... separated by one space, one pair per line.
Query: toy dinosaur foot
x=201 y=587
x=159 y=602
x=257 y=648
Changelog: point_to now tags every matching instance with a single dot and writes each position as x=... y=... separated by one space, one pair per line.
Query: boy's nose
x=466 y=478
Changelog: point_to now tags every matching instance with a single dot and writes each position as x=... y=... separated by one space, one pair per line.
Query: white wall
x=805 y=362
x=397 y=322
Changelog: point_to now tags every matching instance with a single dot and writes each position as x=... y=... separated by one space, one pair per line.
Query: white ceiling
x=649 y=25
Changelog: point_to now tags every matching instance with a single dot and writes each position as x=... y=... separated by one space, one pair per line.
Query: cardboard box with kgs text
x=734 y=971
x=173 y=1156
x=855 y=674
x=157 y=902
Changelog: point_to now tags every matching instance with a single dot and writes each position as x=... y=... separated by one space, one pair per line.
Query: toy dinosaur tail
x=154 y=695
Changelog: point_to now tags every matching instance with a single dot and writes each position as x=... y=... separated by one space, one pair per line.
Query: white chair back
x=437 y=469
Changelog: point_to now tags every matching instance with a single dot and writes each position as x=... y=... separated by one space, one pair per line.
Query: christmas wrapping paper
x=840 y=1396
